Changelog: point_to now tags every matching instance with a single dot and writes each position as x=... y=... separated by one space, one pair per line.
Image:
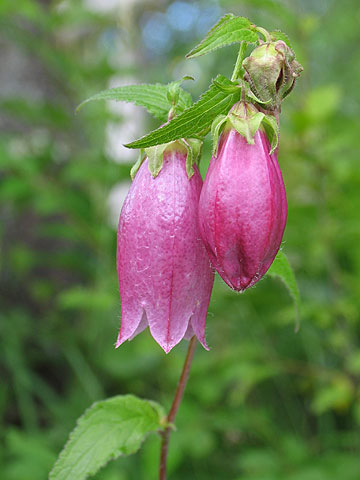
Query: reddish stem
x=175 y=406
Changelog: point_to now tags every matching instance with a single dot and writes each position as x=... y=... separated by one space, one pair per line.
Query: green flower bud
x=271 y=71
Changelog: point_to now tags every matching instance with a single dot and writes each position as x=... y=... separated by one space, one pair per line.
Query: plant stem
x=175 y=406
x=265 y=33
x=239 y=60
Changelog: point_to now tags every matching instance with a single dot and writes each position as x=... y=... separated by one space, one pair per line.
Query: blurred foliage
x=265 y=403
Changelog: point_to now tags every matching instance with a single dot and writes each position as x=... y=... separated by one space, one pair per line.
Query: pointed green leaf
x=233 y=88
x=153 y=97
x=227 y=31
x=277 y=35
x=281 y=268
x=195 y=120
x=110 y=428
x=174 y=91
x=272 y=131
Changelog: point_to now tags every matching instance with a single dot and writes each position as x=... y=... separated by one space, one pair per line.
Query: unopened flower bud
x=271 y=71
x=242 y=208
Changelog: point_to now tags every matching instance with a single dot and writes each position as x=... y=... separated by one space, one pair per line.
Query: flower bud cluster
x=174 y=231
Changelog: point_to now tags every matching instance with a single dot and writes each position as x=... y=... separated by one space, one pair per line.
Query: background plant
x=265 y=402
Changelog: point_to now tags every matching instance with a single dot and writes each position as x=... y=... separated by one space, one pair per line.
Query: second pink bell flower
x=243 y=209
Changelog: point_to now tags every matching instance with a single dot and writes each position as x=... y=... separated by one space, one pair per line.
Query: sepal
x=216 y=129
x=250 y=95
x=137 y=165
x=156 y=158
x=155 y=154
x=193 y=153
x=271 y=128
x=247 y=127
x=246 y=119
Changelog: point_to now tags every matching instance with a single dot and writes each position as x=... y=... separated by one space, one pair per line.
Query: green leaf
x=224 y=19
x=233 y=88
x=110 y=428
x=153 y=97
x=281 y=268
x=196 y=120
x=174 y=91
x=277 y=35
x=228 y=30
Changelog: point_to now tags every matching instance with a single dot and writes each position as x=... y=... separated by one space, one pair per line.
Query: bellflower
x=243 y=209
x=164 y=272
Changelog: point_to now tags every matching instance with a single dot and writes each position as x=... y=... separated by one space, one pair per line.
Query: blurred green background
x=265 y=403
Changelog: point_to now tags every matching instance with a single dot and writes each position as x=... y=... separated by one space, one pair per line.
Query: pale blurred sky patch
x=115 y=201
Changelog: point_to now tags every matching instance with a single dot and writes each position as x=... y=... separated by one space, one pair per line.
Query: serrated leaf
x=277 y=35
x=195 y=120
x=234 y=87
x=228 y=30
x=224 y=19
x=281 y=268
x=110 y=428
x=174 y=90
x=153 y=97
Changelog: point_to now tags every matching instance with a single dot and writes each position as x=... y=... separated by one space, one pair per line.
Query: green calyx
x=193 y=153
x=271 y=71
x=246 y=119
x=192 y=148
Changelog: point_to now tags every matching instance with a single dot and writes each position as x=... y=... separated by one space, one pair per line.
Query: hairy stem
x=265 y=33
x=239 y=60
x=175 y=406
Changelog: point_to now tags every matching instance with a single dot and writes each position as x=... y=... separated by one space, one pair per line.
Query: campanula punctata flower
x=165 y=276
x=243 y=208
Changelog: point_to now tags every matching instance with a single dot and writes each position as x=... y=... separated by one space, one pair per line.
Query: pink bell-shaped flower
x=164 y=272
x=243 y=208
